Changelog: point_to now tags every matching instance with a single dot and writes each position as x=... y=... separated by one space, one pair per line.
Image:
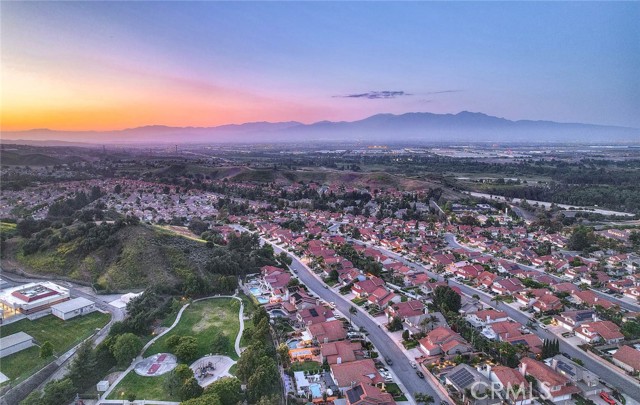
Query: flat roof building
x=34 y=297
x=15 y=343
x=72 y=308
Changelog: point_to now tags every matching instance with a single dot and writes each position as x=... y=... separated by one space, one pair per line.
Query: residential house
x=507 y=286
x=342 y=351
x=348 y=375
x=362 y=289
x=404 y=310
x=466 y=379
x=365 y=394
x=383 y=297
x=486 y=317
x=571 y=319
x=511 y=384
x=443 y=340
x=588 y=382
x=312 y=315
x=599 y=331
x=329 y=331
x=627 y=358
x=551 y=384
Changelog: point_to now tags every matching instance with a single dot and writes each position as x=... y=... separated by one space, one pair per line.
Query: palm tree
x=352 y=311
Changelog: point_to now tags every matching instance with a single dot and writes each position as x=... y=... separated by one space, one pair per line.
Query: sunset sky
x=113 y=65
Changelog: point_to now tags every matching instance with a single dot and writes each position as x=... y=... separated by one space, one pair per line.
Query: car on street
x=414 y=365
x=419 y=374
x=389 y=361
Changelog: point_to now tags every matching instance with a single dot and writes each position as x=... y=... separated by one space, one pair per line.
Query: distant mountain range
x=420 y=127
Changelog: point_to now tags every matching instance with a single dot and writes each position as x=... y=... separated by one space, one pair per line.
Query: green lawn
x=203 y=320
x=63 y=335
x=22 y=364
x=143 y=387
x=394 y=389
x=305 y=366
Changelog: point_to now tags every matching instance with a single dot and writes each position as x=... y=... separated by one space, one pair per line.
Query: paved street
x=384 y=343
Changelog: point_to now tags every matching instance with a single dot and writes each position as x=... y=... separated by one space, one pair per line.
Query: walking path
x=173 y=325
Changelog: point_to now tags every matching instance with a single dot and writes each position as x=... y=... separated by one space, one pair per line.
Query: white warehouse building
x=15 y=343
x=72 y=308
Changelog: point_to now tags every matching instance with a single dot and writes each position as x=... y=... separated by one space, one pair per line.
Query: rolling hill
x=417 y=127
x=140 y=257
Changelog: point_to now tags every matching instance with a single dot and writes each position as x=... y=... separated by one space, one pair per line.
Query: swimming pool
x=262 y=300
x=315 y=390
x=277 y=313
x=293 y=344
x=255 y=291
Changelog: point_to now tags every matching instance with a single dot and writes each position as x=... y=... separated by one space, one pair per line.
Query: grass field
x=143 y=387
x=63 y=335
x=203 y=320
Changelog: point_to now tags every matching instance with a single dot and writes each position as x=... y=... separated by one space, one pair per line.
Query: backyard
x=63 y=335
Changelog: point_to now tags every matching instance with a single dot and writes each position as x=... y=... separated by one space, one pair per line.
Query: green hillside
x=133 y=257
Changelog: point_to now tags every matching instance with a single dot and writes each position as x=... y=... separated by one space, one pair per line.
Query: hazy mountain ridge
x=416 y=127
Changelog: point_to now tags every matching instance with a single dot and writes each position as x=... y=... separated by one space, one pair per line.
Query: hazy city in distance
x=329 y=203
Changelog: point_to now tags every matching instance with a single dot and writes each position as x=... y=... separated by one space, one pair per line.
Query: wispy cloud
x=389 y=94
x=374 y=95
x=443 y=91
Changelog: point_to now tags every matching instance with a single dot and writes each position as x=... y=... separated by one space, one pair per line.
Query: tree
x=406 y=335
x=190 y=389
x=83 y=366
x=227 y=389
x=219 y=343
x=126 y=347
x=178 y=377
x=283 y=354
x=187 y=349
x=207 y=399
x=395 y=324
x=258 y=315
x=198 y=226
x=293 y=282
x=423 y=398
x=55 y=393
x=446 y=299
x=631 y=330
x=355 y=234
x=352 y=311
x=264 y=380
x=269 y=400
x=46 y=350
x=173 y=341
x=580 y=239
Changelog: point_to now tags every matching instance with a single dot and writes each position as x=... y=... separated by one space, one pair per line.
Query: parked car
x=414 y=365
x=388 y=360
x=419 y=374
x=605 y=396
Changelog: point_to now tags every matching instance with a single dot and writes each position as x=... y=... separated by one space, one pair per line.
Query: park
x=204 y=336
